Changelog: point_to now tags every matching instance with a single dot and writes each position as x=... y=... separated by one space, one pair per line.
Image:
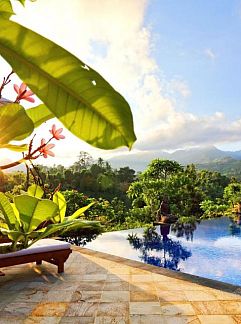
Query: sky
x=176 y=62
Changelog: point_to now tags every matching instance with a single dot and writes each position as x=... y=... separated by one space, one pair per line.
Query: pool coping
x=211 y=283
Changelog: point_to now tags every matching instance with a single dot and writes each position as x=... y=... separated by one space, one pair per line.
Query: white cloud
x=210 y=54
x=228 y=243
x=186 y=130
x=181 y=87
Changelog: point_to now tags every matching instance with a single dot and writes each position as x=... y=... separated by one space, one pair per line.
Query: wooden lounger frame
x=57 y=257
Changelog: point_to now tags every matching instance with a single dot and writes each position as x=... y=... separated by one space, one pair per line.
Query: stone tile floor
x=101 y=289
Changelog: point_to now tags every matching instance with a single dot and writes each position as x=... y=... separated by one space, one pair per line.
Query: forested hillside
x=124 y=199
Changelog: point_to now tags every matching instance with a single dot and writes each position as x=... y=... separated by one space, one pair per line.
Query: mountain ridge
x=200 y=156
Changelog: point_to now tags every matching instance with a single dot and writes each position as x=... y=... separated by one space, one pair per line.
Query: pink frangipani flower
x=23 y=93
x=56 y=132
x=46 y=149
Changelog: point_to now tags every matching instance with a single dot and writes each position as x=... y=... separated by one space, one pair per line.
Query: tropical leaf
x=16 y=148
x=3 y=226
x=8 y=212
x=14 y=123
x=13 y=235
x=21 y=1
x=60 y=201
x=33 y=211
x=76 y=94
x=67 y=225
x=16 y=213
x=6 y=9
x=39 y=114
x=80 y=211
x=35 y=191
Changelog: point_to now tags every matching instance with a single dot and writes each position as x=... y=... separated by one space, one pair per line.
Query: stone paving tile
x=115 y=296
x=118 y=277
x=143 y=296
x=209 y=308
x=177 y=286
x=196 y=295
x=120 y=270
x=99 y=289
x=141 y=278
x=18 y=309
x=216 y=319
x=91 y=285
x=12 y=320
x=56 y=309
x=117 y=286
x=82 y=308
x=78 y=320
x=58 y=296
x=177 y=308
x=142 y=286
x=237 y=318
x=135 y=271
x=150 y=308
x=231 y=307
x=94 y=277
x=65 y=286
x=223 y=295
x=112 y=320
x=161 y=319
x=32 y=295
x=113 y=309
x=171 y=296
x=87 y=296
x=42 y=320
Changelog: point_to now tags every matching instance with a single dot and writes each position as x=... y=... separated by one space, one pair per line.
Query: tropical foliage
x=130 y=200
x=30 y=218
x=185 y=188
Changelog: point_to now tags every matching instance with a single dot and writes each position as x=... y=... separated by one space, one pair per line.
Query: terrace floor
x=103 y=289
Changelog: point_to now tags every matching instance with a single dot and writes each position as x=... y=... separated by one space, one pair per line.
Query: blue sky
x=177 y=62
x=185 y=32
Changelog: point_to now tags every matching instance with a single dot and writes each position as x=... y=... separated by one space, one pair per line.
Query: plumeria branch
x=44 y=149
x=6 y=80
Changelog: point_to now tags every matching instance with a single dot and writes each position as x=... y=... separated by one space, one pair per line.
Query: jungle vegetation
x=124 y=199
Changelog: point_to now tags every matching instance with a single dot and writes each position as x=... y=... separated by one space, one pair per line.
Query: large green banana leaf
x=39 y=114
x=13 y=235
x=6 y=9
x=8 y=212
x=35 y=191
x=33 y=211
x=16 y=148
x=14 y=123
x=60 y=201
x=66 y=225
x=76 y=94
x=79 y=212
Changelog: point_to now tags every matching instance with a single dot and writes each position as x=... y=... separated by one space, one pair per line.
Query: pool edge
x=211 y=283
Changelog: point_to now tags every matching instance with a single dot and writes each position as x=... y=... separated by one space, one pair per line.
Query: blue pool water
x=212 y=250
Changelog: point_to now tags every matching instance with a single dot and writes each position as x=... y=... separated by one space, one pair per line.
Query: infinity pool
x=212 y=250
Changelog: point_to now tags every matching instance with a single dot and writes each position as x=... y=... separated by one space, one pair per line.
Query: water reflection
x=235 y=227
x=184 y=230
x=81 y=237
x=159 y=250
x=212 y=250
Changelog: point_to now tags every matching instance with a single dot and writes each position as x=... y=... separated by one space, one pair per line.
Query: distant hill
x=210 y=158
x=227 y=166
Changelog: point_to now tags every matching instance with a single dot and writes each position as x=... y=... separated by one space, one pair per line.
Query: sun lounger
x=49 y=250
